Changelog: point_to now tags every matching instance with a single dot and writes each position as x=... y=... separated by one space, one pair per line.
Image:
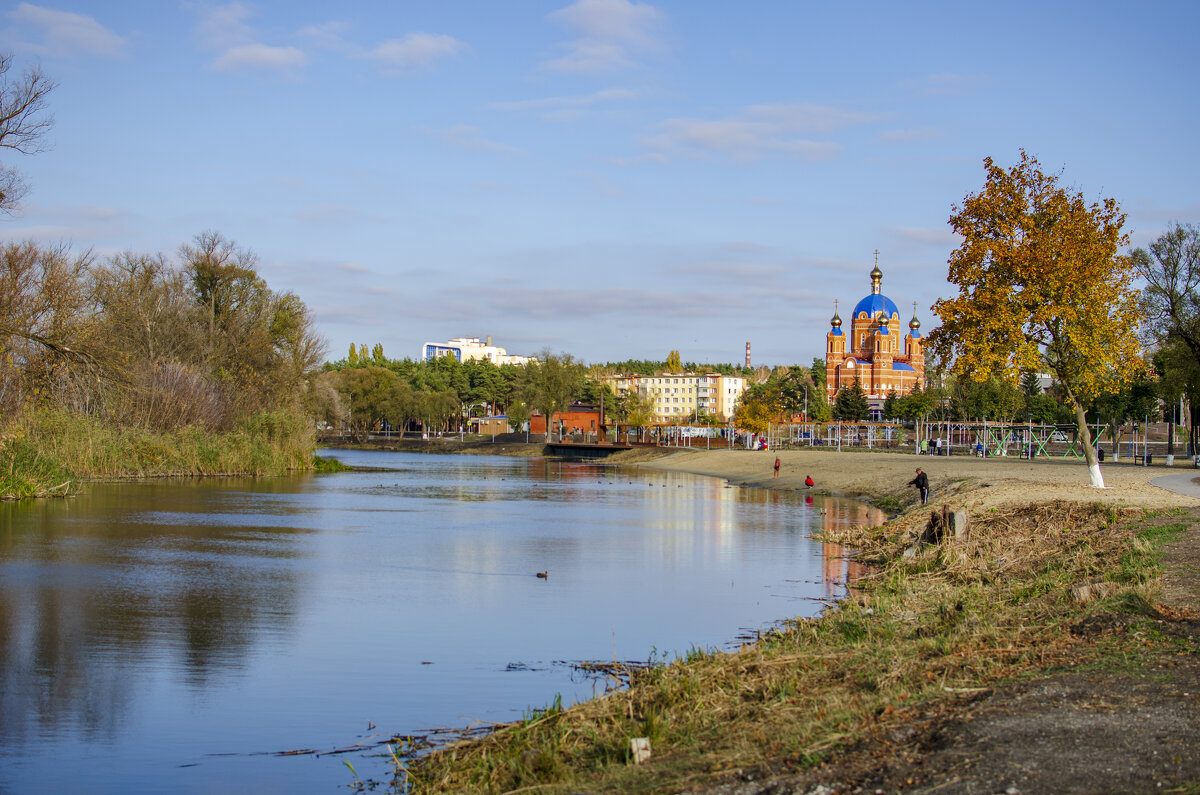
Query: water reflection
x=96 y=585
x=151 y=628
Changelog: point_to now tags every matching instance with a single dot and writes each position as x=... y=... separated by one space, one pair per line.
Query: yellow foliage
x=1041 y=286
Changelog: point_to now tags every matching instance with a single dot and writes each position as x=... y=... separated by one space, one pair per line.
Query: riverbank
x=50 y=452
x=1044 y=652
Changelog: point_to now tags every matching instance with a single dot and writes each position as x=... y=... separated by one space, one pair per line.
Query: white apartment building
x=677 y=396
x=468 y=348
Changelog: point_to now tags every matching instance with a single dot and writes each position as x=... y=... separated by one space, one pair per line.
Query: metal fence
x=986 y=439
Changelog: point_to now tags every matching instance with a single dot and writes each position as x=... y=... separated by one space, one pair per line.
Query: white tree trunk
x=1089 y=452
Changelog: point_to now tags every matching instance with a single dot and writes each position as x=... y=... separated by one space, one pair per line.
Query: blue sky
x=608 y=178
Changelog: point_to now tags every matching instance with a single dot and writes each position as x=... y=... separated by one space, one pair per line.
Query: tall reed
x=45 y=448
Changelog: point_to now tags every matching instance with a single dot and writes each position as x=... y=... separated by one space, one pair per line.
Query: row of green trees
x=366 y=389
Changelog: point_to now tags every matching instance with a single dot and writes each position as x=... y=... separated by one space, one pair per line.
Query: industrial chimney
x=747 y=354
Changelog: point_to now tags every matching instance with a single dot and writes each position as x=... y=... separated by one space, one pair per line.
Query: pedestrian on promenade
x=921 y=481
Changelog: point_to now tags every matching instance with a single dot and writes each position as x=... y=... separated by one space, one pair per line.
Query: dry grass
x=952 y=619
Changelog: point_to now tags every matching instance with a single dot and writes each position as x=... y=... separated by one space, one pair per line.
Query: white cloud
x=64 y=33
x=467 y=136
x=221 y=27
x=224 y=29
x=414 y=52
x=759 y=131
x=612 y=35
x=329 y=36
x=259 y=56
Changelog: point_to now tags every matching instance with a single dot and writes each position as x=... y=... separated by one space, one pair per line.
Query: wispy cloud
x=569 y=102
x=71 y=223
x=329 y=36
x=224 y=26
x=260 y=56
x=741 y=272
x=551 y=303
x=612 y=35
x=466 y=136
x=759 y=131
x=414 y=52
x=63 y=33
x=225 y=29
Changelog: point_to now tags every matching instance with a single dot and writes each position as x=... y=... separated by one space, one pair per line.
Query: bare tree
x=23 y=122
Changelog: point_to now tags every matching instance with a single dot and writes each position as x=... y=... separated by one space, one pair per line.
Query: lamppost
x=1031 y=437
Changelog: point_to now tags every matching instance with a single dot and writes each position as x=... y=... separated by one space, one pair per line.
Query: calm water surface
x=178 y=635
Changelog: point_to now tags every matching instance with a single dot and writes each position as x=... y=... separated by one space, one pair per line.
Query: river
x=182 y=634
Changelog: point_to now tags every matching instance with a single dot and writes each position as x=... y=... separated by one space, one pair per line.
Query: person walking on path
x=809 y=482
x=776 y=467
x=921 y=481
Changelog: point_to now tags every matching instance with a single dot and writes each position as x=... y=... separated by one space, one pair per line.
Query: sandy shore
x=965 y=481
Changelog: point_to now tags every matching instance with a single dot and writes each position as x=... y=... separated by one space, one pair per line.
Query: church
x=872 y=351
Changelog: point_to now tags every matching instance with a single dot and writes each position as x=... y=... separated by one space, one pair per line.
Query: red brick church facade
x=873 y=350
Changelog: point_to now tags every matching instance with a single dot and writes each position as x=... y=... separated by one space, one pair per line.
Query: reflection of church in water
x=839 y=569
x=873 y=350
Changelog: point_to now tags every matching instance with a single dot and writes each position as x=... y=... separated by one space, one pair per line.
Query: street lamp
x=1030 y=448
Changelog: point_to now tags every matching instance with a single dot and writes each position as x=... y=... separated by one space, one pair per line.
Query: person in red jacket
x=809 y=482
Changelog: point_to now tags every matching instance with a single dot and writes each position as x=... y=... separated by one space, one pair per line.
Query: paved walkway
x=1187 y=483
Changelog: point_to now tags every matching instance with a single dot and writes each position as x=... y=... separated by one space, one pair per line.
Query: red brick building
x=580 y=418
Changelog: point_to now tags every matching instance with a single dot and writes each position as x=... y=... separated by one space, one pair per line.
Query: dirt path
x=1125 y=728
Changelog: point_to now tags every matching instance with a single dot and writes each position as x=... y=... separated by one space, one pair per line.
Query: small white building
x=466 y=349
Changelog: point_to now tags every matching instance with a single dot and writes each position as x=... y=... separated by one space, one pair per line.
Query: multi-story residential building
x=466 y=349
x=678 y=396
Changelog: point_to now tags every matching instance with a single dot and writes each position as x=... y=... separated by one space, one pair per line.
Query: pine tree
x=889 y=404
x=851 y=403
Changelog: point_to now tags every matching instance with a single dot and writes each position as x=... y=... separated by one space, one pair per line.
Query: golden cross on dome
x=876 y=258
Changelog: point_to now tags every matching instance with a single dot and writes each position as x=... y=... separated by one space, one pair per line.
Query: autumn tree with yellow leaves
x=1041 y=288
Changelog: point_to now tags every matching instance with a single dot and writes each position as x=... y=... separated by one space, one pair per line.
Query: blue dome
x=874 y=304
